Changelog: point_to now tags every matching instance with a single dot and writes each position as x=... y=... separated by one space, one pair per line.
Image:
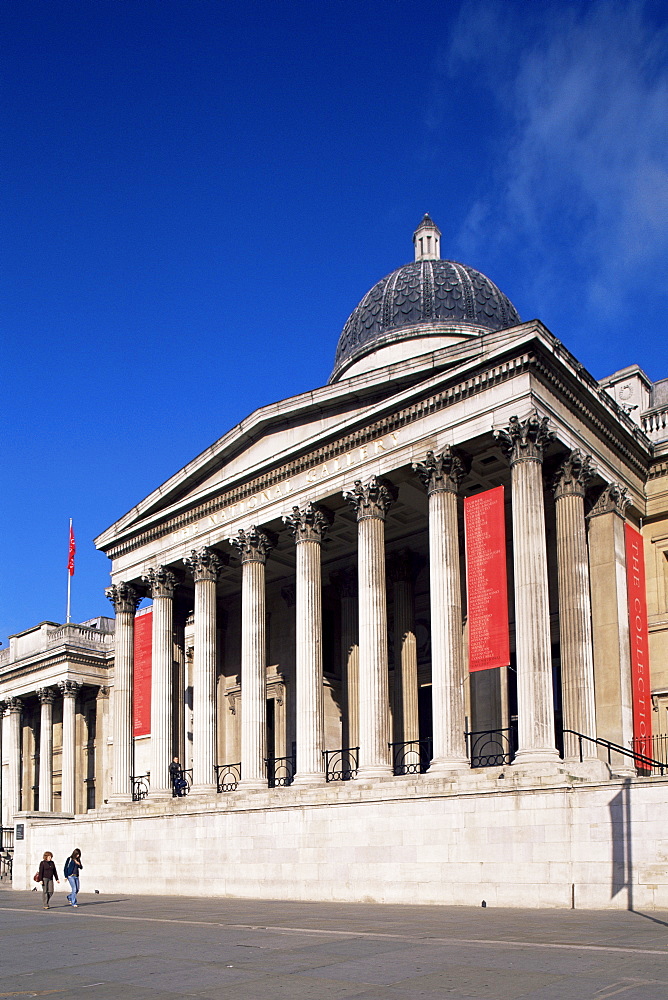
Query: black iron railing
x=491 y=747
x=412 y=757
x=228 y=777
x=654 y=748
x=341 y=765
x=643 y=763
x=140 y=786
x=280 y=771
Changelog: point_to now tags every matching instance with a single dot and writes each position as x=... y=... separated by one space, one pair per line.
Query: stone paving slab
x=162 y=948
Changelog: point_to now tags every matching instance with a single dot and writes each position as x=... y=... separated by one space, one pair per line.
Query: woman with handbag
x=46 y=874
x=73 y=866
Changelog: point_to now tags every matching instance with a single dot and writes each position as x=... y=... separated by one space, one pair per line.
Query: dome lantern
x=427 y=240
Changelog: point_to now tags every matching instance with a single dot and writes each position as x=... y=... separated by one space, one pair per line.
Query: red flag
x=71 y=551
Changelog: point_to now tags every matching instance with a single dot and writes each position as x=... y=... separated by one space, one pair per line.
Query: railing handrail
x=232 y=769
x=636 y=755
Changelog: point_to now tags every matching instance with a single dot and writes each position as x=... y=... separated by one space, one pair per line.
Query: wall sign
x=486 y=580
x=640 y=677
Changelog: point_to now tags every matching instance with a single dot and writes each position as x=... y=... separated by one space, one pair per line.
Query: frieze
x=358 y=446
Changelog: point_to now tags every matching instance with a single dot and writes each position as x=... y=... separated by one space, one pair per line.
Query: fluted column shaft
x=371 y=503
x=161 y=583
x=15 y=709
x=535 y=708
x=308 y=527
x=125 y=599
x=46 y=697
x=442 y=475
x=253 y=547
x=577 y=661
x=205 y=565
x=69 y=690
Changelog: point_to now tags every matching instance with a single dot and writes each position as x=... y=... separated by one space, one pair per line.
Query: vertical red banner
x=141 y=691
x=640 y=676
x=486 y=580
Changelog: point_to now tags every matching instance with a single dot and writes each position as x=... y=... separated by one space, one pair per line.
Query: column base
x=310 y=778
x=119 y=797
x=537 y=755
x=448 y=765
x=253 y=784
x=203 y=789
x=159 y=794
x=372 y=771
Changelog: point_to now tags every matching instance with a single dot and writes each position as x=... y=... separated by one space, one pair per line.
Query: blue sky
x=198 y=193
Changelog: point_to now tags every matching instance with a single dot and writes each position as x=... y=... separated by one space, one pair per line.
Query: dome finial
x=427 y=240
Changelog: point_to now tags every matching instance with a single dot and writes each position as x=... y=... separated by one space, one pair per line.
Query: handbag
x=36 y=878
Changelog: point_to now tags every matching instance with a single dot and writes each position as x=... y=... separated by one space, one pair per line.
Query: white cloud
x=585 y=89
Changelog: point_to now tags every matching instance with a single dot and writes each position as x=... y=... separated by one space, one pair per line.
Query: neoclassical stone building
x=365 y=705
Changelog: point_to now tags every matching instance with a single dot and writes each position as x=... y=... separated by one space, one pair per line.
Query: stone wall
x=493 y=837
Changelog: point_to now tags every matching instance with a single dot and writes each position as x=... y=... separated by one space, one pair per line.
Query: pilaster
x=46 y=699
x=14 y=708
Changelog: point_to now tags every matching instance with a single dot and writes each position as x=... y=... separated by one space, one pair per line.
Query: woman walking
x=46 y=874
x=73 y=866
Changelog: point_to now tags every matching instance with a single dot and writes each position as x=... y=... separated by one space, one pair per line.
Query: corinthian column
x=46 y=698
x=161 y=583
x=401 y=567
x=441 y=475
x=577 y=660
x=69 y=691
x=125 y=600
x=205 y=566
x=345 y=582
x=15 y=708
x=524 y=442
x=253 y=547
x=371 y=501
x=308 y=527
x=610 y=619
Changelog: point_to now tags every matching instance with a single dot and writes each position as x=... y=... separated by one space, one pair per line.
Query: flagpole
x=69 y=584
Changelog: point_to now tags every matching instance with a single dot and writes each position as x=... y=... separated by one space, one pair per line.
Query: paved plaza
x=158 y=948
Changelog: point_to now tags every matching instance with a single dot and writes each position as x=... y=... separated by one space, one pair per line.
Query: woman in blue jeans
x=73 y=866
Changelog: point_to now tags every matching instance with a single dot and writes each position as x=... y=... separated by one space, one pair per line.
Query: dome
x=427 y=298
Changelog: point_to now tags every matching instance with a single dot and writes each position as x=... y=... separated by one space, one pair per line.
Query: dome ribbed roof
x=424 y=298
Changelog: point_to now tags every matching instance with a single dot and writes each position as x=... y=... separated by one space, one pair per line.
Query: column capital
x=573 y=475
x=124 y=597
x=403 y=565
x=161 y=581
x=372 y=499
x=70 y=688
x=442 y=472
x=14 y=705
x=308 y=523
x=204 y=564
x=253 y=545
x=345 y=581
x=46 y=696
x=613 y=500
x=525 y=440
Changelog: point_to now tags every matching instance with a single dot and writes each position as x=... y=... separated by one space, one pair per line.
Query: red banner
x=640 y=677
x=141 y=691
x=486 y=580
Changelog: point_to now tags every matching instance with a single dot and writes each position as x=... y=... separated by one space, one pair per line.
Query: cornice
x=540 y=363
x=79 y=658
